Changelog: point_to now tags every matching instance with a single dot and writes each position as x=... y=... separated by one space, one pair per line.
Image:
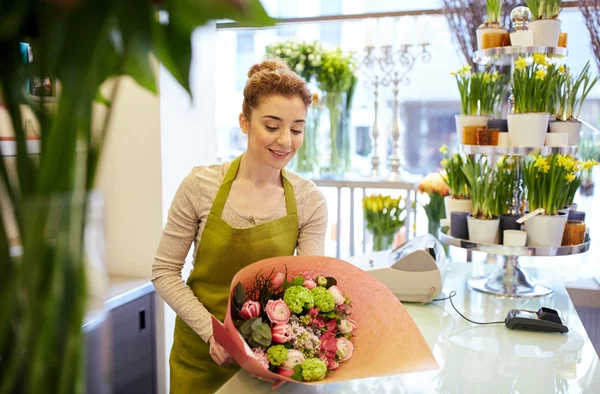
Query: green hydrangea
x=314 y=369
x=297 y=298
x=305 y=320
x=277 y=354
x=323 y=299
x=321 y=281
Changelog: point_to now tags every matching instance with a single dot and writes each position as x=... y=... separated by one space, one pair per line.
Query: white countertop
x=478 y=359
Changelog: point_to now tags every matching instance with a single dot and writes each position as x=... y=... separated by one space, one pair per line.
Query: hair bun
x=269 y=65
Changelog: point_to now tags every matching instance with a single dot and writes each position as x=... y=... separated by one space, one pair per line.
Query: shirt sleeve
x=311 y=236
x=177 y=237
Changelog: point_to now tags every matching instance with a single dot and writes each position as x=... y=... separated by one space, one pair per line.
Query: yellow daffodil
x=540 y=74
x=487 y=77
x=444 y=163
x=443 y=149
x=453 y=73
x=561 y=69
x=521 y=63
x=563 y=161
x=495 y=76
x=546 y=169
x=570 y=177
x=589 y=164
x=540 y=162
x=540 y=59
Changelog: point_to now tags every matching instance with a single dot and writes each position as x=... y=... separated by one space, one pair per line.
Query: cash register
x=415 y=271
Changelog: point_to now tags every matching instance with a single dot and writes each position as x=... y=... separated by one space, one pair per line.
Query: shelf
x=9 y=147
x=503 y=250
x=504 y=56
x=516 y=150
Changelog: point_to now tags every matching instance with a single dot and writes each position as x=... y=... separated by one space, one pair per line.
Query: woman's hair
x=269 y=78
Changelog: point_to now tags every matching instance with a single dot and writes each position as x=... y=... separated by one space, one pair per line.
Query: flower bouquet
x=384 y=216
x=304 y=57
x=434 y=186
x=314 y=319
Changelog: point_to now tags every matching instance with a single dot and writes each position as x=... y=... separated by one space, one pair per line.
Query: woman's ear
x=244 y=123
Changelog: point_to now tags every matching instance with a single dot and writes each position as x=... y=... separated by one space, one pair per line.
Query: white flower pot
x=522 y=38
x=572 y=128
x=483 y=230
x=545 y=32
x=546 y=230
x=557 y=139
x=528 y=129
x=469 y=120
x=456 y=205
x=488 y=30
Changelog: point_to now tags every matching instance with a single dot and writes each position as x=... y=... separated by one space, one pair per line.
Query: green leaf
x=330 y=282
x=256 y=323
x=239 y=296
x=298 y=281
x=262 y=335
x=174 y=50
x=187 y=15
x=103 y=100
x=246 y=328
x=297 y=373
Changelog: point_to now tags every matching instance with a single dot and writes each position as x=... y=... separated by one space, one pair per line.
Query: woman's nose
x=285 y=138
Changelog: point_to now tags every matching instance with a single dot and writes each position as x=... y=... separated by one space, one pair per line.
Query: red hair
x=269 y=78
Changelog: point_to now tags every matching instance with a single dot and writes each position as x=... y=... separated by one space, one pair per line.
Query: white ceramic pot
x=546 y=230
x=545 y=32
x=456 y=205
x=469 y=120
x=557 y=139
x=572 y=128
x=528 y=129
x=515 y=238
x=483 y=230
x=523 y=38
x=488 y=30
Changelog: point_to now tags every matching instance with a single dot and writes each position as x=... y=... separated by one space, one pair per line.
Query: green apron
x=222 y=252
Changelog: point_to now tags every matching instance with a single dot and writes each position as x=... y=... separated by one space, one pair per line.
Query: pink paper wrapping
x=387 y=341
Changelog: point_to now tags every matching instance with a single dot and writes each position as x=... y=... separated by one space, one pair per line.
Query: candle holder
x=390 y=67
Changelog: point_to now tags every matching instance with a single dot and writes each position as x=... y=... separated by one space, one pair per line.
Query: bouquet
x=304 y=58
x=434 y=186
x=454 y=176
x=300 y=328
x=384 y=216
x=548 y=181
x=366 y=320
x=534 y=84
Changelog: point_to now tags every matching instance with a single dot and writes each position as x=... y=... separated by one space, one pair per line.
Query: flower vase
x=307 y=158
x=382 y=241
x=335 y=134
x=433 y=226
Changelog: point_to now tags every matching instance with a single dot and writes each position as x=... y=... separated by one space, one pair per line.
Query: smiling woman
x=237 y=213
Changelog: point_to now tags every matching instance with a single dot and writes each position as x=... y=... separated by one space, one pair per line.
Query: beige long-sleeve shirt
x=187 y=218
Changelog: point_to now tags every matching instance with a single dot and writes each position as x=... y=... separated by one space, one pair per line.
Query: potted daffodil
x=545 y=24
x=491 y=34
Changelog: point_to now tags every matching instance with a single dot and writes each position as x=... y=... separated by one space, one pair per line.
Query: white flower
x=299 y=67
x=345 y=326
x=302 y=57
x=278 y=51
x=287 y=51
x=311 y=57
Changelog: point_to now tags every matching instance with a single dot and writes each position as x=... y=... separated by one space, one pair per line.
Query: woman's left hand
x=219 y=354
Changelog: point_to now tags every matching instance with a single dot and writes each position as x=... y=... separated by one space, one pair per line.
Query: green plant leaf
x=246 y=328
x=174 y=50
x=256 y=323
x=297 y=373
x=239 y=296
x=297 y=281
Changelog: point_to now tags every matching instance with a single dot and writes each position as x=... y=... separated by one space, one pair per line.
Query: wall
x=187 y=139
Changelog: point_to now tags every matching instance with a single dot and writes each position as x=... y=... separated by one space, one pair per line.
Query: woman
x=237 y=213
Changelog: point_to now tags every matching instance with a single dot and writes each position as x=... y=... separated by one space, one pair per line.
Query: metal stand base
x=509 y=280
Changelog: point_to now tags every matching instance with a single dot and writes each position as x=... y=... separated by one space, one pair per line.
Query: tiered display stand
x=510 y=279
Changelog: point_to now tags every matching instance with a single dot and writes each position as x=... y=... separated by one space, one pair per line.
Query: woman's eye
x=271 y=128
x=297 y=131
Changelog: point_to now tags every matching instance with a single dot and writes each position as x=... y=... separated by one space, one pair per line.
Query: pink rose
x=345 y=326
x=285 y=372
x=332 y=364
x=277 y=280
x=353 y=324
x=337 y=295
x=278 y=312
x=295 y=357
x=313 y=311
x=281 y=333
x=261 y=356
x=310 y=284
x=250 y=309
x=345 y=348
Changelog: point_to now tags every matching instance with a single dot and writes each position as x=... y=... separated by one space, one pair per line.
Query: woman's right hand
x=218 y=353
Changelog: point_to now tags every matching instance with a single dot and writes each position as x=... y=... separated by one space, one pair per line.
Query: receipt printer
x=415 y=271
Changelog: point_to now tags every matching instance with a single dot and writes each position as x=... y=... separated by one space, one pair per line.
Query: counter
x=478 y=359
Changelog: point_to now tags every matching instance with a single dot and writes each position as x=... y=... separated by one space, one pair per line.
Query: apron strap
x=225 y=188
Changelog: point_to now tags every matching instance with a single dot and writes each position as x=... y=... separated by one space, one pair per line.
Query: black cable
x=452 y=294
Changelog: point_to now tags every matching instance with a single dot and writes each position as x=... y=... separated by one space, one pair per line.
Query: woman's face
x=275 y=130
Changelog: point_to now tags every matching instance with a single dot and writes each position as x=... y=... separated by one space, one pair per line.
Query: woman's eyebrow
x=281 y=120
